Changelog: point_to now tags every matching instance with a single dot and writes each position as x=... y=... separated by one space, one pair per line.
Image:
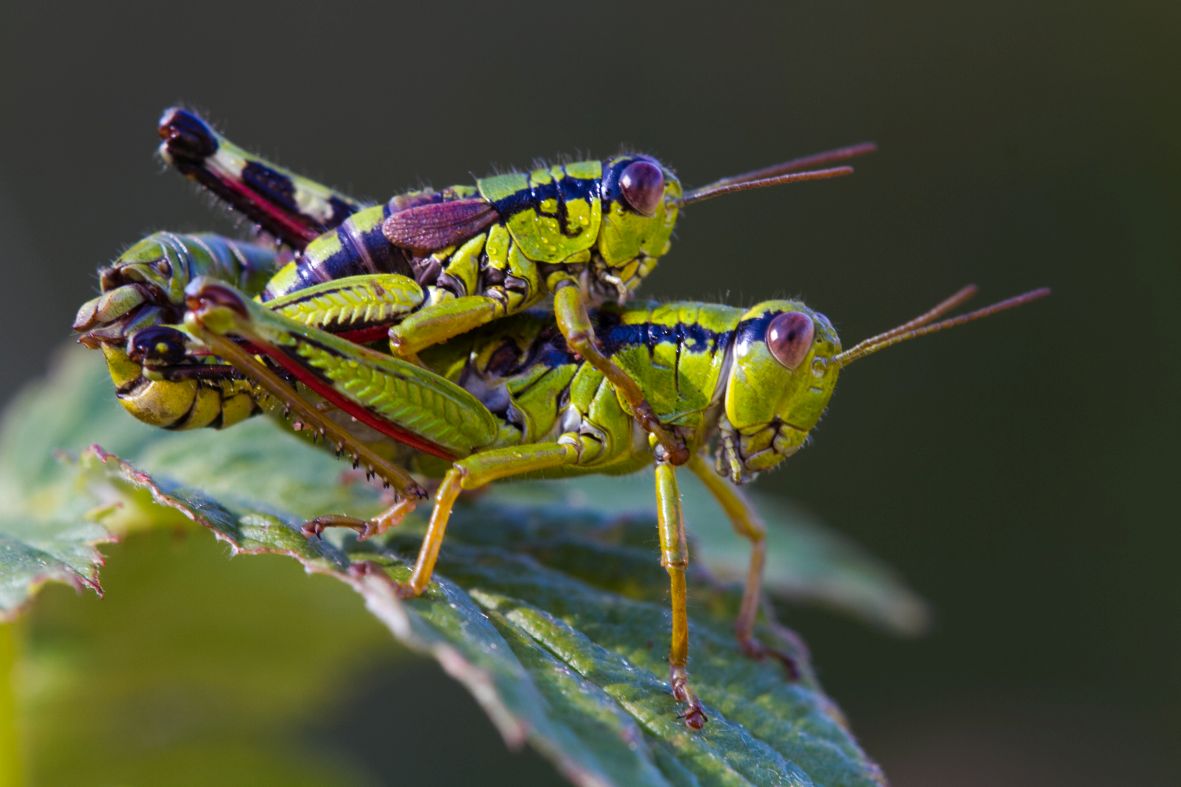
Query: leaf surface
x=552 y=612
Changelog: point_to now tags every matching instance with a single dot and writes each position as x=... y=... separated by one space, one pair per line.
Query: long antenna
x=729 y=186
x=804 y=162
x=961 y=296
x=792 y=171
x=919 y=326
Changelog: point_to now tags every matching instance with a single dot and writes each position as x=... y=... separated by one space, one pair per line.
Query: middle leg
x=748 y=525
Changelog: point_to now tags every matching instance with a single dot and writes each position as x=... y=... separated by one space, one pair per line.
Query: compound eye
x=205 y=293
x=789 y=337
x=158 y=344
x=642 y=184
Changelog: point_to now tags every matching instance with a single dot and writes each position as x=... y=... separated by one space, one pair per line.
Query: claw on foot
x=366 y=528
x=694 y=715
x=404 y=590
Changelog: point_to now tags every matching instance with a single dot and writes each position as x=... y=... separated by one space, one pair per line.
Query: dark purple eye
x=203 y=293
x=789 y=337
x=157 y=344
x=642 y=184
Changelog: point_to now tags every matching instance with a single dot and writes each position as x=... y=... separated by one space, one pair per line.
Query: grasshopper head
x=158 y=263
x=641 y=198
x=784 y=366
x=144 y=286
x=781 y=377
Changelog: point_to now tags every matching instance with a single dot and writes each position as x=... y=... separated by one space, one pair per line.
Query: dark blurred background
x=1018 y=472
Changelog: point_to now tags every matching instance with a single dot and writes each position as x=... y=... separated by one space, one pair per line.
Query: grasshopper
x=580 y=233
x=515 y=400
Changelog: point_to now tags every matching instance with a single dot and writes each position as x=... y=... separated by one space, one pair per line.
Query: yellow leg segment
x=471 y=473
x=442 y=321
x=575 y=325
x=674 y=556
x=748 y=525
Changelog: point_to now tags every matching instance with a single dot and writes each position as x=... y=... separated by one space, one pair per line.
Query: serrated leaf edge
x=378 y=592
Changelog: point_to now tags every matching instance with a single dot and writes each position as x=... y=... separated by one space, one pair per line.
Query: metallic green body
x=703 y=375
x=536 y=245
x=704 y=368
x=513 y=264
x=516 y=384
x=572 y=235
x=537 y=231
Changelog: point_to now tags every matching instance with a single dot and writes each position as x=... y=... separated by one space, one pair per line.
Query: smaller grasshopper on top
x=583 y=233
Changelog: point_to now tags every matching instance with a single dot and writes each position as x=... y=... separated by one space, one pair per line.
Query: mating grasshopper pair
x=535 y=394
x=580 y=234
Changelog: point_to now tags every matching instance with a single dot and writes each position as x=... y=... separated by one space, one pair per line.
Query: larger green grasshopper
x=581 y=233
x=514 y=400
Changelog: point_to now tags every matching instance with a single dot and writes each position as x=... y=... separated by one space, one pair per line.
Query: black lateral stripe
x=691 y=336
x=548 y=349
x=130 y=386
x=530 y=198
x=754 y=329
x=279 y=189
x=687 y=337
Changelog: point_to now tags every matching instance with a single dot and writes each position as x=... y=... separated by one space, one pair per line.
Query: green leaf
x=45 y=535
x=808 y=563
x=569 y=662
x=36 y=551
x=552 y=612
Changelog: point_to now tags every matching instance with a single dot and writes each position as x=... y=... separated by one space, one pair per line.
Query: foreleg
x=575 y=325
x=674 y=556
